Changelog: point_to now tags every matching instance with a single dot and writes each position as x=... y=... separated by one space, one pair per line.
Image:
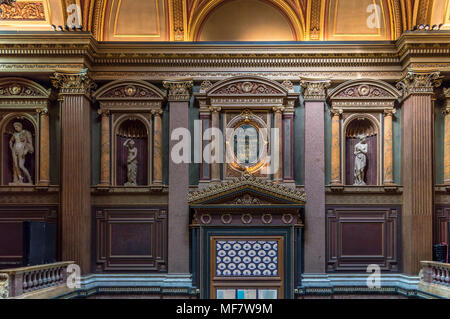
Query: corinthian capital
x=315 y=90
x=179 y=90
x=73 y=83
x=419 y=82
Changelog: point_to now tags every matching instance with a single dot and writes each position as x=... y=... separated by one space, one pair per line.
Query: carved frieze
x=247 y=88
x=24 y=94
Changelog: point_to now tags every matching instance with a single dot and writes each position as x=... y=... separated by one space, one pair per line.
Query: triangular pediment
x=247 y=190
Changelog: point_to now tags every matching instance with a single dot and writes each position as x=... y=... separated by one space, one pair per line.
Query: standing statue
x=21 y=144
x=132 y=163
x=360 y=160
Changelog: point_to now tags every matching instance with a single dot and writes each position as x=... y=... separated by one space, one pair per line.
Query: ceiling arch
x=295 y=19
x=181 y=20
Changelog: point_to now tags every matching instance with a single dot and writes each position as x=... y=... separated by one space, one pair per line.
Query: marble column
x=44 y=151
x=278 y=125
x=157 y=147
x=314 y=94
x=447 y=138
x=417 y=168
x=388 y=150
x=335 y=147
x=75 y=216
x=178 y=254
x=105 y=166
x=215 y=122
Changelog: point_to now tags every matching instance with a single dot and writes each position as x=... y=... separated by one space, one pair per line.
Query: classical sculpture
x=360 y=160
x=21 y=144
x=132 y=162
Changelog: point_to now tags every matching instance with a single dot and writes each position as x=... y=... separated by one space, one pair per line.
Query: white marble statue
x=360 y=160
x=21 y=144
x=132 y=163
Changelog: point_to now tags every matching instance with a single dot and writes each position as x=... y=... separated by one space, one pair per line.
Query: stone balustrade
x=18 y=281
x=435 y=278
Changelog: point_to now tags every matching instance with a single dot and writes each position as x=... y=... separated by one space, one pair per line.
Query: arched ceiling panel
x=245 y=20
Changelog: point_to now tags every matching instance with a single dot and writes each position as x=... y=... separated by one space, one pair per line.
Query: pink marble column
x=314 y=93
x=178 y=250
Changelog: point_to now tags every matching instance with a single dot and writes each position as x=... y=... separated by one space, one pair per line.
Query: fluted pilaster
x=74 y=93
x=105 y=166
x=278 y=125
x=335 y=148
x=417 y=168
x=157 y=147
x=215 y=167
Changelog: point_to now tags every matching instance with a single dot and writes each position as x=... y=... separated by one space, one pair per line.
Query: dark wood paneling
x=11 y=230
x=361 y=236
x=131 y=239
x=441 y=220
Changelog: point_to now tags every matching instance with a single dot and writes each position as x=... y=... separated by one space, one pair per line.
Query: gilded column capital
x=278 y=109
x=215 y=109
x=419 y=82
x=315 y=90
x=179 y=91
x=336 y=112
x=42 y=111
x=157 y=112
x=73 y=83
x=104 y=112
x=389 y=112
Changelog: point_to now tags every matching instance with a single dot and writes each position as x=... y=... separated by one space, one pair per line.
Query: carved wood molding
x=19 y=93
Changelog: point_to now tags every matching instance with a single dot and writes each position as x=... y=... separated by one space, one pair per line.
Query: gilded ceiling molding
x=200 y=13
x=315 y=90
x=247 y=181
x=419 y=82
x=22 y=11
x=73 y=83
x=179 y=90
x=178 y=19
x=315 y=20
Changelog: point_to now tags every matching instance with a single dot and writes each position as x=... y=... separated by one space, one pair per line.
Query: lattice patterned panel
x=247 y=258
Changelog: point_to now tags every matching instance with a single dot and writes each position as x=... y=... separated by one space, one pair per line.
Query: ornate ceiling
x=230 y=20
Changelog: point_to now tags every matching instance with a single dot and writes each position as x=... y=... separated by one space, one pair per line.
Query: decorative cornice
x=247 y=181
x=315 y=90
x=179 y=90
x=419 y=82
x=73 y=83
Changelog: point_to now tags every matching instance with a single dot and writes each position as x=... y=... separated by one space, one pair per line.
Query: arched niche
x=123 y=103
x=362 y=106
x=28 y=124
x=25 y=102
x=354 y=127
x=136 y=129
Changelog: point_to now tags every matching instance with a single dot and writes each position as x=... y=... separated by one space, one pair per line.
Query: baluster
x=40 y=281
x=25 y=281
x=45 y=275
x=57 y=275
x=53 y=275
x=35 y=283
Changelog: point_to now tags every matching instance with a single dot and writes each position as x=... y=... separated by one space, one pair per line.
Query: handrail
x=29 y=279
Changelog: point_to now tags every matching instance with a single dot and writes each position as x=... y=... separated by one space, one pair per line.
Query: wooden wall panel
x=11 y=228
x=361 y=236
x=441 y=220
x=131 y=239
